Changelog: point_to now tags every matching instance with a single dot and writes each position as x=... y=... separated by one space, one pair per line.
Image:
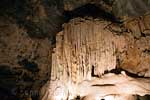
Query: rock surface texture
x=88 y=48
x=24 y=62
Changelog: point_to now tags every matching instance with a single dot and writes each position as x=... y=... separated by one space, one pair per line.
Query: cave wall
x=24 y=62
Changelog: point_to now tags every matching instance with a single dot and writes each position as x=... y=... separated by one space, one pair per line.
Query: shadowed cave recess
x=74 y=50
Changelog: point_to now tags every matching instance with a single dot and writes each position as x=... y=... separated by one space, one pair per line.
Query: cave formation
x=75 y=50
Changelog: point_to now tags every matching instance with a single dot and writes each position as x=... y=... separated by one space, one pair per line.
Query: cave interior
x=75 y=50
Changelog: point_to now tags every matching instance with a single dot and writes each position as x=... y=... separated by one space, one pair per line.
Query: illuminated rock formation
x=87 y=48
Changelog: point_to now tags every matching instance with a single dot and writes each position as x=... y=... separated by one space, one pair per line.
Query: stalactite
x=87 y=48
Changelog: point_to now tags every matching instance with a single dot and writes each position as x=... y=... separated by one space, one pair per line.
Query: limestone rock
x=86 y=48
x=136 y=58
x=24 y=61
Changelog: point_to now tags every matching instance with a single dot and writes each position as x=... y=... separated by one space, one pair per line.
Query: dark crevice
x=143 y=35
x=116 y=71
x=78 y=98
x=89 y=10
x=103 y=85
x=147 y=51
x=92 y=72
x=29 y=65
x=119 y=70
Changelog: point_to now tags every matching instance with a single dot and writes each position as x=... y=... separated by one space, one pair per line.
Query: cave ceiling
x=43 y=18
